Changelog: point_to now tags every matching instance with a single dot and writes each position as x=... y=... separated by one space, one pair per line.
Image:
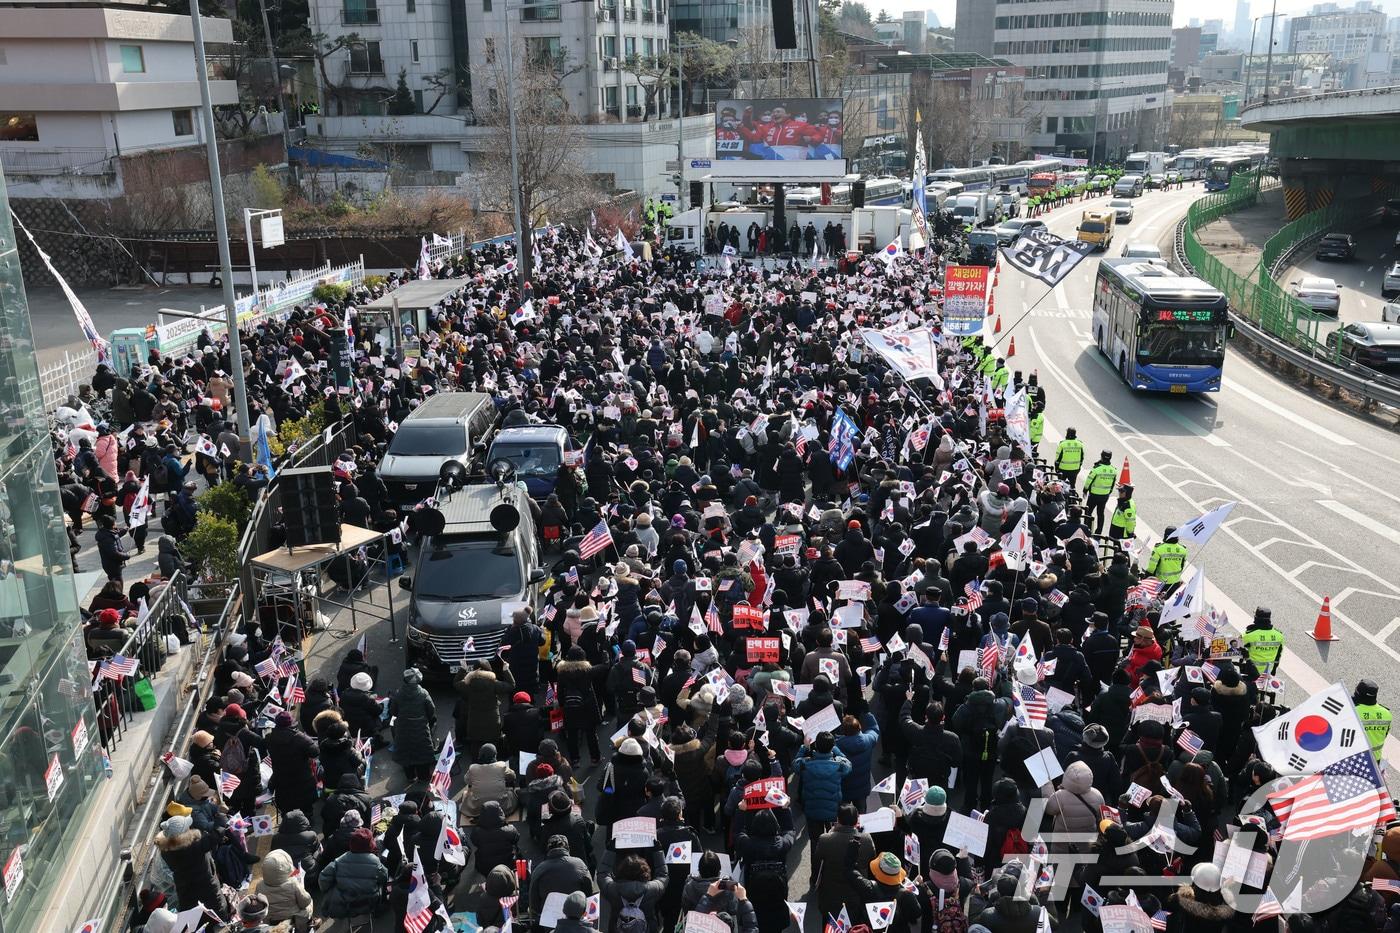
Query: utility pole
x=1269 y=62
x=1248 y=61
x=216 y=193
x=514 y=157
x=680 y=127
x=810 y=7
x=281 y=100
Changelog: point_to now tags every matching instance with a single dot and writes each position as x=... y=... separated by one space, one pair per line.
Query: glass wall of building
x=51 y=758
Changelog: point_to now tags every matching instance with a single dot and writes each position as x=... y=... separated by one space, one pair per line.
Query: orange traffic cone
x=997 y=328
x=1125 y=476
x=1011 y=350
x=1322 y=630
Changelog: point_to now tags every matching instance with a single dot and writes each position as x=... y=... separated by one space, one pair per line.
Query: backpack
x=1151 y=771
x=234 y=756
x=948 y=919
x=630 y=917
x=160 y=476
x=1014 y=843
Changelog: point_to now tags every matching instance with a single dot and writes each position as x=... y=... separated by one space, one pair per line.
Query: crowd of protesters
x=803 y=646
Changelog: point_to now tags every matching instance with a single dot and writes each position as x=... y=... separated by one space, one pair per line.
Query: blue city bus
x=1163 y=332
x=1220 y=171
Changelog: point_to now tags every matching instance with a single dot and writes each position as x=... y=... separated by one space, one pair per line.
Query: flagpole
x=1007 y=333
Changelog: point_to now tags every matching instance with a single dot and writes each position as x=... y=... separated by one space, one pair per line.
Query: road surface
x=1360 y=279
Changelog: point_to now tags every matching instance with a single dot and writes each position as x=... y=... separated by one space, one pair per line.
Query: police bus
x=1163 y=332
x=986 y=177
x=1225 y=168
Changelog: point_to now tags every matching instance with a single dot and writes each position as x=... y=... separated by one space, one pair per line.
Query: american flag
x=981 y=538
x=267 y=669
x=549 y=695
x=1145 y=592
x=508 y=903
x=1346 y=795
x=117 y=667
x=974 y=595
x=420 y=901
x=639 y=676
x=712 y=620
x=945 y=637
x=1212 y=671
x=1385 y=885
x=596 y=540
x=289 y=667
x=1268 y=907
x=990 y=658
x=1031 y=708
x=689 y=682
x=571 y=576
x=870 y=645
x=228 y=783
x=295 y=693
x=748 y=551
x=1159 y=920
x=801 y=446
x=1190 y=742
x=375 y=812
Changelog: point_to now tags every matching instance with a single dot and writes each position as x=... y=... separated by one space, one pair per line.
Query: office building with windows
x=51 y=759
x=85 y=85
x=1096 y=69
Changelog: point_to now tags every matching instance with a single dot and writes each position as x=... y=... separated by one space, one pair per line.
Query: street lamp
x=681 y=48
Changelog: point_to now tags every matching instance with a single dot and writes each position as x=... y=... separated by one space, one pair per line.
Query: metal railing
x=61 y=378
x=149 y=644
x=1327 y=95
x=58 y=161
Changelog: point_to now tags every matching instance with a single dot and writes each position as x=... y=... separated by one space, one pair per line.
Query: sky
x=1183 y=10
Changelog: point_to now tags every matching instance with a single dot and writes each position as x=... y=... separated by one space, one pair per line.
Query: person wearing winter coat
x=523 y=727
x=291 y=752
x=724 y=898
x=296 y=837
x=478 y=711
x=579 y=701
x=977 y=722
x=622 y=783
x=1113 y=708
x=933 y=751
x=821 y=770
x=492 y=839
x=1011 y=912
x=885 y=884
x=856 y=739
x=575 y=914
x=354 y=883
x=1093 y=751
x=1199 y=907
x=358 y=706
x=764 y=851
x=415 y=717
x=488 y=781
x=318 y=699
x=829 y=861
x=349 y=794
x=338 y=754
x=188 y=853
x=169 y=561
x=559 y=871
x=287 y=898
x=233 y=728
x=632 y=881
x=1230 y=698
x=929 y=822
x=1075 y=807
x=1006 y=813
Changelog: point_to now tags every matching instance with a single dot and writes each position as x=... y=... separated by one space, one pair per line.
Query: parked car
x=1336 y=246
x=1390 y=285
x=1370 y=343
x=1320 y=294
x=1124 y=209
x=1008 y=232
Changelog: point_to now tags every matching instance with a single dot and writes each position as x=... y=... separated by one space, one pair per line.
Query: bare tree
x=653 y=72
x=323 y=47
x=443 y=81
x=548 y=148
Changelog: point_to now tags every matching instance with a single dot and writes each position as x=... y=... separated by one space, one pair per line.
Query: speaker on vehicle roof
x=784 y=26
x=858 y=194
x=697 y=194
x=309 y=506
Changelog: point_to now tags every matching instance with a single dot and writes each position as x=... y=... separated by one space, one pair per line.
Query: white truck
x=872 y=228
x=977 y=209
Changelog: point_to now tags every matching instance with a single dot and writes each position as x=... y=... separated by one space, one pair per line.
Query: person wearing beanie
x=625 y=679
x=523 y=726
x=821 y=768
x=354 y=882
x=1013 y=910
x=489 y=780
x=252 y=914
x=559 y=871
x=579 y=701
x=414 y=717
x=1093 y=751
x=1199 y=906
x=480 y=688
x=977 y=723
x=493 y=840
x=1201 y=718
x=291 y=753
x=885 y=882
x=285 y=895
x=301 y=843
x=621 y=785
x=360 y=708
x=160 y=920
x=1113 y=708
x=204 y=758
x=928 y=823
x=1144 y=651
x=563 y=821
x=188 y=853
x=353 y=664
x=239 y=749
x=349 y=794
x=764 y=849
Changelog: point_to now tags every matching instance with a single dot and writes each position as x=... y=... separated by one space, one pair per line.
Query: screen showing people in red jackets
x=792 y=130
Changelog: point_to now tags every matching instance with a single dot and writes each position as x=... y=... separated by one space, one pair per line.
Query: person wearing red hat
x=354 y=883
x=107 y=637
x=523 y=726
x=237 y=744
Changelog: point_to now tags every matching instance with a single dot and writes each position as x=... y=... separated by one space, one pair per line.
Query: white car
x=1390 y=285
x=1320 y=294
x=1123 y=208
x=1141 y=251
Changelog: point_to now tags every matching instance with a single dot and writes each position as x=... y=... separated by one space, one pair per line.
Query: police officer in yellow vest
x=1123 y=524
x=1263 y=644
x=1167 y=560
x=1099 y=486
x=1000 y=376
x=1069 y=456
x=1375 y=718
x=1037 y=429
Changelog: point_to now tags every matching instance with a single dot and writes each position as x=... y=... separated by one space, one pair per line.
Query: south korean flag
x=1318 y=732
x=1041 y=254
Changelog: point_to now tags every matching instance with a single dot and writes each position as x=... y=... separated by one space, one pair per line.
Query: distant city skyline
x=1182 y=12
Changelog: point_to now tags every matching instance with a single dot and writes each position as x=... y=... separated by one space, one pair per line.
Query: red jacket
x=1138 y=658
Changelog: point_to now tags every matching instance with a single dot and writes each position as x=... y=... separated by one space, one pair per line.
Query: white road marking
x=1362 y=519
x=1339 y=470
x=1282 y=412
x=1389 y=629
x=1282 y=478
x=1166 y=409
x=1370 y=268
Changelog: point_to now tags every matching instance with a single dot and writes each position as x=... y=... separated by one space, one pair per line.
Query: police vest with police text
x=1375 y=719
x=1263 y=645
x=1069 y=455
x=1167 y=561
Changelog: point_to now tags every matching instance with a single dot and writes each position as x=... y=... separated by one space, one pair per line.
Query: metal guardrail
x=1329 y=95
x=117 y=702
x=1266 y=315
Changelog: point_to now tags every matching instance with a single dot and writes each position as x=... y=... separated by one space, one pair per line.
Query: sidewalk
x=1238 y=239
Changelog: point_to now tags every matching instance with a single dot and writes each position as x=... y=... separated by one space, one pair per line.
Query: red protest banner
x=786 y=544
x=756 y=792
x=760 y=650
x=750 y=617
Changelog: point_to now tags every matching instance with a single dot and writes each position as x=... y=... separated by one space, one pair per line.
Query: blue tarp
x=318 y=158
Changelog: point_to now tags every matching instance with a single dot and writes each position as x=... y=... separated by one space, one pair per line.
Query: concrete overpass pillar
x=1294 y=175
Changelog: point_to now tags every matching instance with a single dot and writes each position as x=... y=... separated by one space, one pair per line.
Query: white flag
x=424 y=271
x=525 y=312
x=440 y=240
x=884 y=787
x=912 y=353
x=1017 y=549
x=798 y=911
x=141 y=506
x=892 y=252
x=623 y=246
x=206 y=447
x=1199 y=530
x=1018 y=419
x=1320 y=731
x=292 y=373
x=420 y=900
x=1188 y=606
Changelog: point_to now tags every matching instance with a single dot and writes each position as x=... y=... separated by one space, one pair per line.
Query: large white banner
x=912 y=353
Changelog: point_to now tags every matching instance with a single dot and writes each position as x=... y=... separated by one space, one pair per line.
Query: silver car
x=1321 y=294
x=1124 y=209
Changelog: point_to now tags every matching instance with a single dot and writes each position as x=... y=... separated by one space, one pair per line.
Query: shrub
x=228 y=502
x=212 y=548
x=299 y=430
x=331 y=292
x=375 y=281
